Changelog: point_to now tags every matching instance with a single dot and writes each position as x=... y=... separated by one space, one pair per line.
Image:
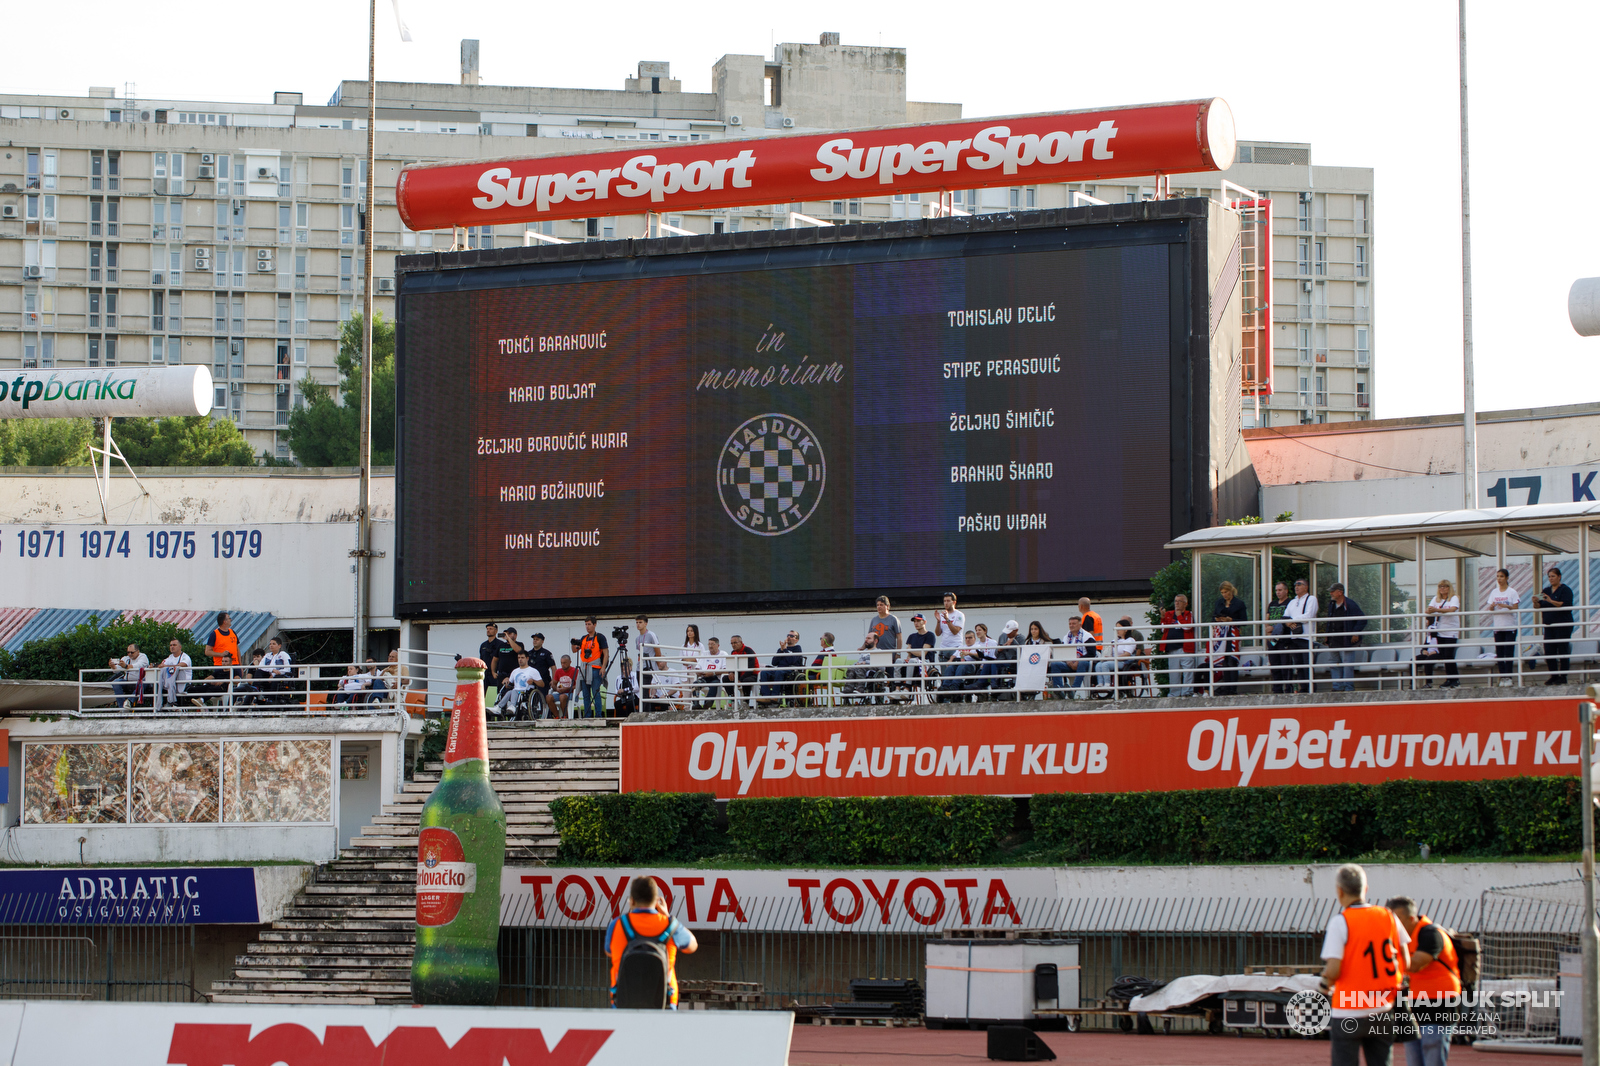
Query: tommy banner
x=1172 y=138
x=1104 y=751
x=184 y=1034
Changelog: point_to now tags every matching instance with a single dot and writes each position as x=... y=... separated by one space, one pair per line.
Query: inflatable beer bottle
x=460 y=852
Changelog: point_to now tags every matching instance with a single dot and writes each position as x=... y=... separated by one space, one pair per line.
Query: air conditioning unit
x=263 y=266
x=735 y=120
x=1305 y=286
x=207 y=173
x=235 y=386
x=8 y=211
x=202 y=253
x=65 y=112
x=144 y=116
x=385 y=284
x=202 y=264
x=32 y=272
x=788 y=123
x=263 y=253
x=264 y=173
x=207 y=159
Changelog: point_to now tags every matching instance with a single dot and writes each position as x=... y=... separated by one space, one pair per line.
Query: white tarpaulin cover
x=1186 y=990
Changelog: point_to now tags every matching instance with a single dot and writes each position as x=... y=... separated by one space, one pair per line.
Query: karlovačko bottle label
x=467 y=738
x=444 y=877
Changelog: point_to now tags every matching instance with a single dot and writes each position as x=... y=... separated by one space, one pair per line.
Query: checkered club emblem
x=770 y=475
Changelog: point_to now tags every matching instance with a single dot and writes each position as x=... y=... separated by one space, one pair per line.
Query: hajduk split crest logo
x=770 y=474
x=1308 y=1012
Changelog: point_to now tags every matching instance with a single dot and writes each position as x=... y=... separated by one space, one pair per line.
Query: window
x=219 y=367
x=158 y=347
x=345 y=303
x=223 y=215
x=300 y=353
x=158 y=310
x=31 y=212
x=49 y=168
x=1363 y=351
x=1305 y=212
x=1016 y=197
x=283 y=361
x=299 y=270
x=236 y=215
x=94 y=351
x=95 y=252
x=175 y=264
x=301 y=322
x=283 y=223
x=97 y=210
x=1322 y=257
x=97 y=168
x=301 y=216
x=111 y=309
x=1361 y=259
x=223 y=188
x=175 y=220
x=1322 y=390
x=1303 y=259
x=219 y=318
x=238 y=267
x=347 y=172
x=283 y=405
x=591 y=227
x=111 y=262
x=47 y=351
x=113 y=170
x=158 y=165
x=1361 y=391
x=219 y=263
x=177 y=165
x=158 y=220
x=219 y=397
x=30 y=353
x=238 y=314
x=345 y=275
x=236 y=359
x=283 y=312
x=175 y=317
x=33 y=169
x=1361 y=214
x=347 y=223
x=94 y=308
x=236 y=405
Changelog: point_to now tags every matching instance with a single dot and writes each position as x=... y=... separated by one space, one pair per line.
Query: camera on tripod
x=619 y=634
x=626 y=700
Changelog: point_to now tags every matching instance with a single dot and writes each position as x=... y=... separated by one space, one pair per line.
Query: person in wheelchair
x=521 y=688
x=1128 y=663
x=863 y=679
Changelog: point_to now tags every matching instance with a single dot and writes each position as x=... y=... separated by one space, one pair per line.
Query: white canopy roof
x=1432 y=524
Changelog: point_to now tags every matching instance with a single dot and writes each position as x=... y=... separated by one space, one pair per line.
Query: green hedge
x=825 y=831
x=89 y=645
x=1516 y=816
x=635 y=827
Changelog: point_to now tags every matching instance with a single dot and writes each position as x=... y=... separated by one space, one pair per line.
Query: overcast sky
x=1366 y=83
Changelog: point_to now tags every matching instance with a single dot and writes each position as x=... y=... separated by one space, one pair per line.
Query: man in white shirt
x=276 y=663
x=1081 y=649
x=177 y=670
x=514 y=696
x=948 y=625
x=1503 y=604
x=1300 y=621
x=712 y=674
x=127 y=685
x=1372 y=965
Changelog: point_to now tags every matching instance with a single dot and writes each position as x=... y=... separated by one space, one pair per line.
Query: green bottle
x=460 y=853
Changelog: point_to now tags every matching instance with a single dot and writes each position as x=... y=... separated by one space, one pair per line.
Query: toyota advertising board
x=1016 y=403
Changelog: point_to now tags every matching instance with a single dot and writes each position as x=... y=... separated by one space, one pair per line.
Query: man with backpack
x=1436 y=972
x=643 y=946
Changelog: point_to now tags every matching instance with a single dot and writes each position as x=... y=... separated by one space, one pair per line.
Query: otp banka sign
x=150 y=896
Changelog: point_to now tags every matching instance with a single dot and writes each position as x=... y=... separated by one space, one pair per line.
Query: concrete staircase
x=349 y=934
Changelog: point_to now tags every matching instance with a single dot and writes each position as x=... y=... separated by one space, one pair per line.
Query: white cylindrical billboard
x=115 y=391
x=1583 y=306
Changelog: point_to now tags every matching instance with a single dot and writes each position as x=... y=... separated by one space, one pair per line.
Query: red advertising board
x=1195 y=135
x=1116 y=750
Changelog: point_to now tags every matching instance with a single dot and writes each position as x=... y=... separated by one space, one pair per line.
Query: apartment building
x=146 y=231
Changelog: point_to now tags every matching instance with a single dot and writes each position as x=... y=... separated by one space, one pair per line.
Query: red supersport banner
x=1106 y=751
x=1175 y=138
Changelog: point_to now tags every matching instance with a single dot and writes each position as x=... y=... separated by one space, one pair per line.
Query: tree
x=89 y=645
x=182 y=441
x=326 y=431
x=45 y=441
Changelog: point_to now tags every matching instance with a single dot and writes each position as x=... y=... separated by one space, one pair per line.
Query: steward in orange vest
x=1366 y=952
x=646 y=924
x=224 y=641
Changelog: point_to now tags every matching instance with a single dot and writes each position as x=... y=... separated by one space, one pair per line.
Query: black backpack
x=642 y=971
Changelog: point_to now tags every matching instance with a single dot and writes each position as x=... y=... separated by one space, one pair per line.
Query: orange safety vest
x=647 y=924
x=1091 y=622
x=589 y=650
x=1370 y=972
x=226 y=644
x=1443 y=974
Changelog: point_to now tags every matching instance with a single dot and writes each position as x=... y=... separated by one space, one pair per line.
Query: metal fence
x=1531 y=944
x=1200 y=658
x=41 y=959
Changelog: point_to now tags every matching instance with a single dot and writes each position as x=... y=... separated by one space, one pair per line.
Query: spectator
x=948 y=624
x=965 y=672
x=886 y=628
x=250 y=688
x=647 y=648
x=1278 y=637
x=277 y=665
x=746 y=669
x=713 y=675
x=594 y=655
x=860 y=676
x=1503 y=604
x=1006 y=655
x=1556 y=598
x=351 y=686
x=687 y=666
x=517 y=697
x=1091 y=620
x=1346 y=621
x=986 y=679
x=1081 y=649
x=1229 y=615
x=218 y=688
x=917 y=665
x=1120 y=672
x=224 y=641
x=1300 y=616
x=1444 y=633
x=127 y=686
x=823 y=652
x=489 y=652
x=648 y=917
x=544 y=664
x=177 y=671
x=507 y=655
x=1037 y=635
x=780 y=672
x=1178 y=646
x=566 y=682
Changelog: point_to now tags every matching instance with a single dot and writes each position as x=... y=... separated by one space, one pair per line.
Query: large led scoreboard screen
x=792 y=423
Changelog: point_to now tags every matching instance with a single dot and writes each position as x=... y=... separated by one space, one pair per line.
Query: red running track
x=839 y=1045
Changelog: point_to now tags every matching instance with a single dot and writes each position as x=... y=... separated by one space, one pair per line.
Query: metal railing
x=42 y=958
x=1200 y=658
x=260 y=690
